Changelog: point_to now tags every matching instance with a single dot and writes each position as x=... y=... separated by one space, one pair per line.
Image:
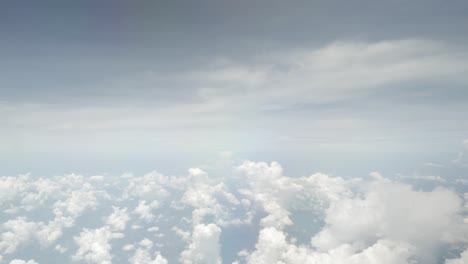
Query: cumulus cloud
x=14 y=233
x=68 y=197
x=347 y=220
x=148 y=187
x=380 y=222
x=20 y=261
x=269 y=248
x=277 y=194
x=94 y=245
x=395 y=212
x=144 y=210
x=143 y=256
x=20 y=231
x=272 y=247
x=118 y=219
x=204 y=246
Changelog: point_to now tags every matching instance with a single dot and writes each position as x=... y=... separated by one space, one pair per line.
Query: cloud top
x=187 y=219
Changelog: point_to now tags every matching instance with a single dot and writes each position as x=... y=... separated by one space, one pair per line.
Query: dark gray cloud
x=58 y=48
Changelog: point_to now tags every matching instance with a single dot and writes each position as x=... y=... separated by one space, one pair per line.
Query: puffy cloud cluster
x=277 y=194
x=94 y=245
x=20 y=261
x=68 y=197
x=204 y=246
x=393 y=211
x=143 y=255
x=380 y=221
x=272 y=247
x=366 y=231
x=158 y=219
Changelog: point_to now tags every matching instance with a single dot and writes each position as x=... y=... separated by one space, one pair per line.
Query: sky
x=111 y=88
x=101 y=86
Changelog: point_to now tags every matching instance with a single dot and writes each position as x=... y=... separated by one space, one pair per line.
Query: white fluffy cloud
x=144 y=210
x=118 y=219
x=272 y=247
x=395 y=211
x=204 y=246
x=20 y=231
x=277 y=194
x=143 y=254
x=20 y=261
x=182 y=218
x=15 y=232
x=67 y=197
x=94 y=245
x=380 y=222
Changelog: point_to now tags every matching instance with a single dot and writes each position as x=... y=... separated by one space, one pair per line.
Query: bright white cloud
x=272 y=247
x=94 y=245
x=19 y=232
x=383 y=222
x=144 y=210
x=355 y=221
x=20 y=261
x=143 y=256
x=394 y=211
x=277 y=194
x=118 y=219
x=204 y=246
x=16 y=232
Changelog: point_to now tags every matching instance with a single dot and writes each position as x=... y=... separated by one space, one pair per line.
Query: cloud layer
x=162 y=219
